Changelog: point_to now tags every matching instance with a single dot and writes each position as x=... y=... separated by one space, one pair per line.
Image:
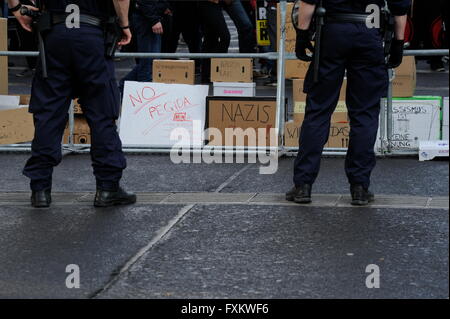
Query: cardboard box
x=77 y=107
x=291 y=133
x=299 y=96
x=340 y=113
x=296 y=69
x=3 y=60
x=291 y=34
x=25 y=99
x=80 y=126
x=16 y=123
x=81 y=132
x=82 y=138
x=77 y=138
x=405 y=81
x=339 y=135
x=339 y=130
x=234 y=89
x=174 y=71
x=244 y=113
x=407 y=67
x=338 y=138
x=404 y=86
x=232 y=70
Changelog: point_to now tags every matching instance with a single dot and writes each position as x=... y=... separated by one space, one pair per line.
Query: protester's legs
x=272 y=29
x=247 y=40
x=216 y=33
x=146 y=42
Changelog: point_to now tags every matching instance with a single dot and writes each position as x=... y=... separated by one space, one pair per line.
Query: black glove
x=396 y=54
x=302 y=44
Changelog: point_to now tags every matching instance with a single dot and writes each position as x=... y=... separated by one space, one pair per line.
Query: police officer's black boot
x=361 y=196
x=107 y=198
x=300 y=194
x=41 y=199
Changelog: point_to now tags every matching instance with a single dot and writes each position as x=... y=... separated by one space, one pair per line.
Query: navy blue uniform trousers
x=77 y=67
x=354 y=48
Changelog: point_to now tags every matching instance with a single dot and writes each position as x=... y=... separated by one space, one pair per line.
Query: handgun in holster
x=113 y=34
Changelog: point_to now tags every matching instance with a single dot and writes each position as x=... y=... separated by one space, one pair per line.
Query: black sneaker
x=107 y=198
x=361 y=196
x=26 y=73
x=437 y=66
x=300 y=194
x=41 y=199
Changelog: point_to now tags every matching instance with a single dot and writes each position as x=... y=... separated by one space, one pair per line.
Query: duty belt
x=347 y=17
x=84 y=19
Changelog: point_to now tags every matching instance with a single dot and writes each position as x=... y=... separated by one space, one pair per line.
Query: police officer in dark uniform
x=349 y=45
x=77 y=66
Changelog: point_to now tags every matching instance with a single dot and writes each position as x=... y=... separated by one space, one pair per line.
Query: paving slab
x=37 y=245
x=22 y=199
x=294 y=252
x=401 y=176
x=156 y=173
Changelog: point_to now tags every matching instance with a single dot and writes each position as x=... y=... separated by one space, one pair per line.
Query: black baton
x=320 y=21
x=42 y=56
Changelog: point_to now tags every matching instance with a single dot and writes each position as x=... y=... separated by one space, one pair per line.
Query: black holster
x=113 y=34
x=42 y=24
x=387 y=30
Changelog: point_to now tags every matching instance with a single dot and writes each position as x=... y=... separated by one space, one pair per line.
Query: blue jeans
x=146 y=42
x=247 y=39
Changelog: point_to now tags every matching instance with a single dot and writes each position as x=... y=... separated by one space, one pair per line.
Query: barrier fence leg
x=71 y=127
x=382 y=126
x=281 y=87
x=389 y=117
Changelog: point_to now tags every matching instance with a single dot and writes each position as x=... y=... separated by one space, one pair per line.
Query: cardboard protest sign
x=414 y=120
x=249 y=114
x=152 y=111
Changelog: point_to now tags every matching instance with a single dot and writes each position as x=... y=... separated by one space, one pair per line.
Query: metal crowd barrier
x=281 y=56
